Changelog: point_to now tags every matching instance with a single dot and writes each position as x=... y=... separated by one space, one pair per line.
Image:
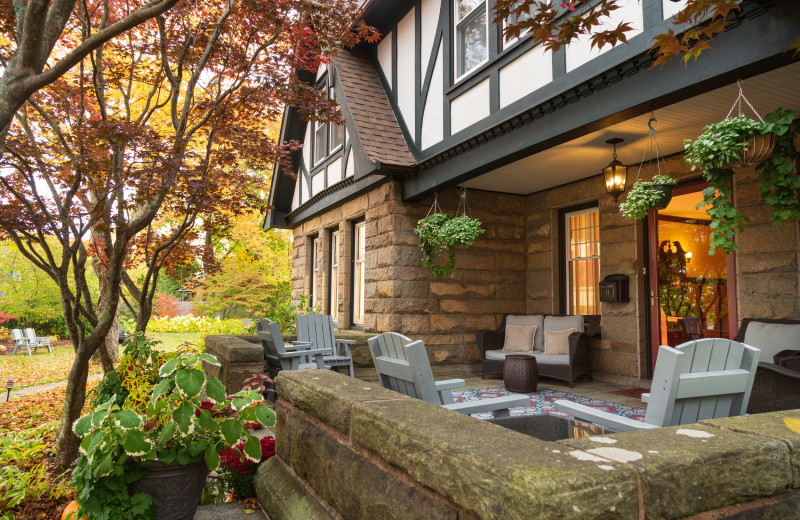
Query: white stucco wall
x=470 y=107
x=524 y=75
x=432 y=119
x=406 y=53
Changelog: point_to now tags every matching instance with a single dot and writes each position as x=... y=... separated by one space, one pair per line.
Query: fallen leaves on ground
x=29 y=411
x=40 y=368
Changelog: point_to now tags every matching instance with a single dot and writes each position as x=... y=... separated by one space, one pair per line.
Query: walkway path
x=28 y=390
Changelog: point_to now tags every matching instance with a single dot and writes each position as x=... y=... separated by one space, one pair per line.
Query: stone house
x=444 y=102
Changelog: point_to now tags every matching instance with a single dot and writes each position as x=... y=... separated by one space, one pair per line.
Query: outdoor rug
x=542 y=403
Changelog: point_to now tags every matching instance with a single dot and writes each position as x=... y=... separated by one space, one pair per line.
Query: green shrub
x=196 y=324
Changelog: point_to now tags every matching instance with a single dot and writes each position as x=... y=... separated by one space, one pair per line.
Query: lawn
x=43 y=367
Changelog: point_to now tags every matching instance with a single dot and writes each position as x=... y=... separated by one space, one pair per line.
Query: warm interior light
x=688 y=256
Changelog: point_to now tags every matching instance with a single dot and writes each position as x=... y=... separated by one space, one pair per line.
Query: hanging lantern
x=616 y=173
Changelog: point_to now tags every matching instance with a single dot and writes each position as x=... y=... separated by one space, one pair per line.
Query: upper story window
x=328 y=137
x=472 y=44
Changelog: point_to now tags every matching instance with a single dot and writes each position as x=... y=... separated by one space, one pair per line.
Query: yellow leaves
x=793 y=424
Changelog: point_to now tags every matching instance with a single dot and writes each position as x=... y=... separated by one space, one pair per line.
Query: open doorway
x=692 y=293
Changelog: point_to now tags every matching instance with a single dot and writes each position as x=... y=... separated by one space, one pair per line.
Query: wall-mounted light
x=616 y=173
x=688 y=256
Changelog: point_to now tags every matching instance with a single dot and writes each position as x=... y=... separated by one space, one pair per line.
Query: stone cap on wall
x=480 y=470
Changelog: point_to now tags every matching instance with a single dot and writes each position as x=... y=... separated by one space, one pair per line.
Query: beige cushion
x=556 y=342
x=519 y=339
x=530 y=320
x=771 y=338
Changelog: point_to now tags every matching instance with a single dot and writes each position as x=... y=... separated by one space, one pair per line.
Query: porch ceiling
x=586 y=156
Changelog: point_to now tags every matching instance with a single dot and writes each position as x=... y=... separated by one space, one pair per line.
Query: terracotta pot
x=759 y=149
x=71 y=512
x=175 y=489
x=666 y=195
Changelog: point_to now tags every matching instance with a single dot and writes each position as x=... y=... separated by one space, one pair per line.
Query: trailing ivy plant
x=175 y=427
x=722 y=143
x=441 y=233
x=644 y=196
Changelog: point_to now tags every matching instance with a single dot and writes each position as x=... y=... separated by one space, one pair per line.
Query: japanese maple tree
x=122 y=158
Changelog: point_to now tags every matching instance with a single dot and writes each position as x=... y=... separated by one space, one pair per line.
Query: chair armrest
x=304 y=353
x=449 y=384
x=346 y=341
x=489 y=340
x=579 y=345
x=610 y=420
x=774 y=388
x=789 y=358
x=646 y=397
x=298 y=344
x=495 y=404
x=346 y=344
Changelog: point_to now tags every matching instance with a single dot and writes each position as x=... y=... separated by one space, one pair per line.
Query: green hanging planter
x=441 y=233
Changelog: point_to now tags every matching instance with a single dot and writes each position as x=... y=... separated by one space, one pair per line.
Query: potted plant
x=442 y=233
x=741 y=141
x=146 y=449
x=646 y=195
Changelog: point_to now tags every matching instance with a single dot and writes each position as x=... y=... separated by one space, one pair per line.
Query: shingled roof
x=373 y=117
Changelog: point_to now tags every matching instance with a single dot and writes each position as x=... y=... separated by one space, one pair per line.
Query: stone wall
x=352 y=450
x=240 y=357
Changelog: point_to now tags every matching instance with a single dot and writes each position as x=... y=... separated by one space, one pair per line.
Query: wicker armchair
x=579 y=353
x=776 y=385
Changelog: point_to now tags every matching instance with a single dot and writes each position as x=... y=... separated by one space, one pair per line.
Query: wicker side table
x=520 y=373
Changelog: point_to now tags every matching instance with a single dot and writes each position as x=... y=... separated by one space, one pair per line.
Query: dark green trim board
x=610 y=90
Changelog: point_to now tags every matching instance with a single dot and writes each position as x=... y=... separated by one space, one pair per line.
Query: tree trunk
x=67 y=442
x=108 y=352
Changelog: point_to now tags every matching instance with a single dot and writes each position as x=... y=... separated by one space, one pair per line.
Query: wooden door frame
x=654 y=333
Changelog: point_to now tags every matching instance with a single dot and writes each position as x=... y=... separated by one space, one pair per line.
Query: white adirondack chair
x=19 y=341
x=318 y=329
x=37 y=341
x=702 y=379
x=279 y=356
x=403 y=366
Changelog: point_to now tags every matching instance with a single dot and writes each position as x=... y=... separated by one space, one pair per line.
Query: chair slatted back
x=403 y=366
x=30 y=335
x=269 y=332
x=702 y=379
x=17 y=336
x=316 y=329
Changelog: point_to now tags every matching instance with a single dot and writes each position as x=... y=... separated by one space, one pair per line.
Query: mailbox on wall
x=614 y=289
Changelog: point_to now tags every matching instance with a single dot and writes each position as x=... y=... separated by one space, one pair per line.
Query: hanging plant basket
x=647 y=195
x=664 y=194
x=441 y=233
x=754 y=150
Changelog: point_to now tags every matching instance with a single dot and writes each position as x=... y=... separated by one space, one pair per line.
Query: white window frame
x=336 y=243
x=570 y=309
x=315 y=259
x=359 y=273
x=456 y=36
x=332 y=128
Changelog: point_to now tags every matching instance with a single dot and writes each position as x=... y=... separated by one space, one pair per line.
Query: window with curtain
x=582 y=240
x=359 y=251
x=472 y=45
x=336 y=239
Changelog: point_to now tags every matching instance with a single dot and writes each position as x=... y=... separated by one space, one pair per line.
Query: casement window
x=336 y=131
x=582 y=242
x=336 y=242
x=359 y=252
x=320 y=141
x=316 y=257
x=471 y=30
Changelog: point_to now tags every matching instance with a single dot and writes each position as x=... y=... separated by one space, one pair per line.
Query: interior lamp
x=616 y=173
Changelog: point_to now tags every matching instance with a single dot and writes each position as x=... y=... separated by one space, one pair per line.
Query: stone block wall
x=352 y=450
x=240 y=357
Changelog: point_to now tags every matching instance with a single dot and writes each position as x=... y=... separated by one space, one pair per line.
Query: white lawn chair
x=37 y=341
x=403 y=366
x=19 y=341
x=702 y=379
x=318 y=329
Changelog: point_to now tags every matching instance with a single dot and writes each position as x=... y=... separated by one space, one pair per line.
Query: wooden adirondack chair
x=403 y=366
x=702 y=379
x=318 y=329
x=37 y=341
x=19 y=341
x=279 y=356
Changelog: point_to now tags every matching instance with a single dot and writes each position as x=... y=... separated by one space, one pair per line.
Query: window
x=320 y=144
x=472 y=46
x=337 y=131
x=315 y=259
x=336 y=240
x=359 y=250
x=582 y=268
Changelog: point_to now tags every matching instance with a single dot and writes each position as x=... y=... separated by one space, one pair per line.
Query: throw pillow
x=519 y=339
x=556 y=342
